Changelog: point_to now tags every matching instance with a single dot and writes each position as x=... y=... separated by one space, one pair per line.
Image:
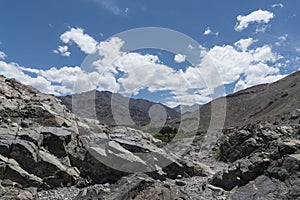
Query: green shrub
x=166 y=134
x=220 y=156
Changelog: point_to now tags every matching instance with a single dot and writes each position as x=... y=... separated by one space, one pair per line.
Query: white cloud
x=110 y=5
x=62 y=50
x=109 y=51
x=258 y=16
x=129 y=73
x=86 y=43
x=283 y=37
x=179 y=58
x=208 y=31
x=264 y=54
x=257 y=65
x=13 y=70
x=190 y=47
x=258 y=74
x=2 y=55
x=243 y=44
x=262 y=28
x=280 y=5
x=145 y=71
x=73 y=79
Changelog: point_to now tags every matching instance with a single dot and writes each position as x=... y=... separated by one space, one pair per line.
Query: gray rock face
x=264 y=160
x=136 y=186
x=43 y=145
x=46 y=152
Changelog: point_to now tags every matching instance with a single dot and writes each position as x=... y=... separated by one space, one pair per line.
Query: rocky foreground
x=48 y=153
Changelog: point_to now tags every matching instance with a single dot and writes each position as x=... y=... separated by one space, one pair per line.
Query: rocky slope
x=101 y=103
x=46 y=152
x=258 y=103
x=264 y=159
x=43 y=146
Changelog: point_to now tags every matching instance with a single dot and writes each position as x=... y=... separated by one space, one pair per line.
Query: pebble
x=180 y=183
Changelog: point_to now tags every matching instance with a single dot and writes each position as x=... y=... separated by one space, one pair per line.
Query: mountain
x=186 y=108
x=126 y=111
x=47 y=152
x=258 y=103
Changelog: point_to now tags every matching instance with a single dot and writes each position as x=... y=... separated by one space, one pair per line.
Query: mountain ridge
x=138 y=109
x=257 y=103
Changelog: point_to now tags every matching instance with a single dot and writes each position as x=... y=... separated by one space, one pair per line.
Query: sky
x=173 y=52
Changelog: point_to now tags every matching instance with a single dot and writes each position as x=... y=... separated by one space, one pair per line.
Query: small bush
x=166 y=134
x=220 y=156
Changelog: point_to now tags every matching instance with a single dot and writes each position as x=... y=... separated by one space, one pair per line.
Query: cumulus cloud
x=208 y=31
x=247 y=67
x=131 y=72
x=62 y=50
x=243 y=44
x=109 y=51
x=145 y=71
x=86 y=43
x=179 y=58
x=13 y=70
x=258 y=74
x=2 y=55
x=73 y=79
x=258 y=16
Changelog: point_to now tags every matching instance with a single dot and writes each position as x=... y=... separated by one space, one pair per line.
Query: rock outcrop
x=46 y=152
x=264 y=159
x=44 y=146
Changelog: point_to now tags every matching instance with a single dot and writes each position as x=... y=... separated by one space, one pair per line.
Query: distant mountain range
x=258 y=103
x=186 y=108
x=125 y=111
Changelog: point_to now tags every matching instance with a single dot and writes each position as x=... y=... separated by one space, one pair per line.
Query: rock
x=129 y=187
x=180 y=183
x=260 y=188
x=10 y=169
x=140 y=187
x=215 y=189
x=292 y=162
x=7 y=183
x=14 y=125
x=243 y=171
x=278 y=173
x=263 y=160
x=12 y=193
x=89 y=194
x=288 y=146
x=46 y=148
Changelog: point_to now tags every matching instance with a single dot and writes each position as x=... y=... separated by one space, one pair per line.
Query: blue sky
x=32 y=31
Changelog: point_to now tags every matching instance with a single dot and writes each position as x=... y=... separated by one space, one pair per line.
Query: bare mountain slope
x=101 y=102
x=258 y=103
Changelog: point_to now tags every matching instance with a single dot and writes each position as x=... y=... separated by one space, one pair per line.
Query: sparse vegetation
x=219 y=155
x=166 y=134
